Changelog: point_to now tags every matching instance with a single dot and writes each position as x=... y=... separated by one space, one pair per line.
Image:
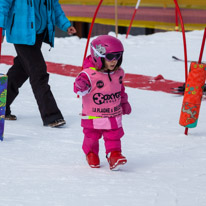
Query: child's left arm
x=126 y=108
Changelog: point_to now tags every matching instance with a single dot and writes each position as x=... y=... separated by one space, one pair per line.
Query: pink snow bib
x=104 y=99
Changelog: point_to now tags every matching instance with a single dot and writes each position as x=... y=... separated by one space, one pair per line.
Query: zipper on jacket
x=27 y=2
x=12 y=22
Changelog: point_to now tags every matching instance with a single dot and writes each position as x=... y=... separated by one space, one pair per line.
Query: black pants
x=30 y=63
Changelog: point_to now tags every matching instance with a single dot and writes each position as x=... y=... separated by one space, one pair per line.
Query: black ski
x=181 y=89
x=182 y=60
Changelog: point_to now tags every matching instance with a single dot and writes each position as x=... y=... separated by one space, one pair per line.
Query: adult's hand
x=71 y=30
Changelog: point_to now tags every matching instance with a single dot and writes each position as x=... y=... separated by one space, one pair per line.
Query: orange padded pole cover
x=193 y=95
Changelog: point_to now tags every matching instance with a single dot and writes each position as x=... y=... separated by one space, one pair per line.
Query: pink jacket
x=83 y=87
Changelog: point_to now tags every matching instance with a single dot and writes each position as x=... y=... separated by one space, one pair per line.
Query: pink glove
x=126 y=108
x=82 y=84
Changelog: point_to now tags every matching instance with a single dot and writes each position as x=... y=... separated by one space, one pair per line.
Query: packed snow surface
x=42 y=166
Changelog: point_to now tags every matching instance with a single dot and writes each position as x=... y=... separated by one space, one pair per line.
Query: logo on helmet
x=100 y=49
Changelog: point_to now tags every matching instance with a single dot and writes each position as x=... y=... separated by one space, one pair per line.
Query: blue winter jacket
x=17 y=17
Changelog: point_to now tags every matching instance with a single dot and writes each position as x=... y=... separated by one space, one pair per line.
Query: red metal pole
x=202 y=47
x=90 y=30
x=199 y=62
x=185 y=45
x=135 y=10
x=184 y=38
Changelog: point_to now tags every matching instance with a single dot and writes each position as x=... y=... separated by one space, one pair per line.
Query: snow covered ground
x=41 y=166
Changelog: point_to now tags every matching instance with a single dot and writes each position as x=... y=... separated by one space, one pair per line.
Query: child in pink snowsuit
x=104 y=101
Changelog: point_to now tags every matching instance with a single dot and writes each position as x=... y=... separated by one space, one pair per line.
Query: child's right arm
x=82 y=84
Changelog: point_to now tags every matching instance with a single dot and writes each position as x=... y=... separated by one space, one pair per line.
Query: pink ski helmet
x=103 y=45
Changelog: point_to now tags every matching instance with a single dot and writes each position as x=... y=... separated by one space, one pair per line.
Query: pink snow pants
x=111 y=140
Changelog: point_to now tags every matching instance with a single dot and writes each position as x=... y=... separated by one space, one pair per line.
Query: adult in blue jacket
x=29 y=23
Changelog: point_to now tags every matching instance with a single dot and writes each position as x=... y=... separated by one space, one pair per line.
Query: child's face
x=110 y=65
